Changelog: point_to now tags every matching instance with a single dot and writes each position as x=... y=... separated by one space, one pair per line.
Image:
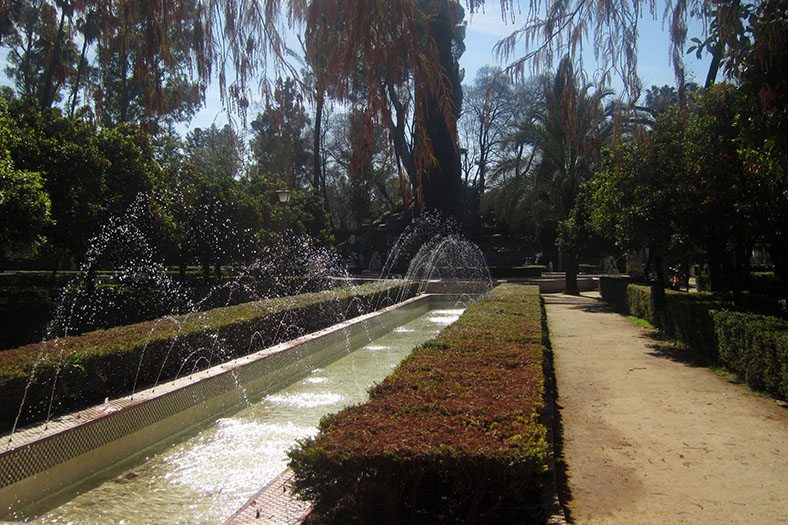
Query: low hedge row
x=754 y=346
x=75 y=372
x=26 y=311
x=453 y=435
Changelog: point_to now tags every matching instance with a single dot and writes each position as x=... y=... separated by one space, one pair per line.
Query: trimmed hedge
x=114 y=362
x=754 y=346
x=453 y=435
x=614 y=290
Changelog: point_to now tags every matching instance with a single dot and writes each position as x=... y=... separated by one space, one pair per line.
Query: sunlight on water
x=207 y=477
x=306 y=400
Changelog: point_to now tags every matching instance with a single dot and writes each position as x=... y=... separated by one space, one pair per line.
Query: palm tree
x=567 y=132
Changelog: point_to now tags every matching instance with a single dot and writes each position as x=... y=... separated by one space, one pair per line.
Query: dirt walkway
x=649 y=437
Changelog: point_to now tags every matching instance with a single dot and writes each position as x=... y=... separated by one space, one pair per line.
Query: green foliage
x=453 y=435
x=111 y=362
x=687 y=186
x=688 y=319
x=88 y=174
x=281 y=145
x=640 y=323
x=756 y=348
x=639 y=302
x=42 y=53
x=24 y=207
x=636 y=197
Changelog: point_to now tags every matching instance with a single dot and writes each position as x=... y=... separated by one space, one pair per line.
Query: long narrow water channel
x=205 y=478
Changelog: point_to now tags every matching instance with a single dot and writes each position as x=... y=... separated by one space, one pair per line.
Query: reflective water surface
x=207 y=477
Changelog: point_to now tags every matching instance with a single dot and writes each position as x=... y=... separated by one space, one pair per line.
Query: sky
x=486 y=28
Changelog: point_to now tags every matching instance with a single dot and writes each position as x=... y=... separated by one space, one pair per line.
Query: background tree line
x=529 y=154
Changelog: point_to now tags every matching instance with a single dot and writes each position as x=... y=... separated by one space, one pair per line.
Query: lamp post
x=283 y=195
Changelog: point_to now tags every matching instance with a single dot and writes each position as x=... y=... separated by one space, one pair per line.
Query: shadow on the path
x=581 y=303
x=559 y=484
x=561 y=467
x=666 y=350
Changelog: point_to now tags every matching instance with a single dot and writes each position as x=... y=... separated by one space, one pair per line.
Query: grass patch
x=640 y=323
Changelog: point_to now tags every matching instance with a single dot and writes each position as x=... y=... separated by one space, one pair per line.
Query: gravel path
x=650 y=437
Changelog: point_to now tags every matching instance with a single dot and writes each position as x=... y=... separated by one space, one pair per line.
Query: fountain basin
x=46 y=459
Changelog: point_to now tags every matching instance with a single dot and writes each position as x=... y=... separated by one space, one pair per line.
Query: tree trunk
x=570 y=282
x=714 y=66
x=79 y=76
x=317 y=164
x=442 y=183
x=658 y=304
x=48 y=94
x=778 y=250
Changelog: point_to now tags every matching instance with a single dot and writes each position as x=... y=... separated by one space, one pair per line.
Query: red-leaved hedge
x=453 y=435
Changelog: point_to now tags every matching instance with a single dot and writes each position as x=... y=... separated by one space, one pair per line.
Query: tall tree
x=569 y=133
x=42 y=55
x=215 y=232
x=399 y=62
x=144 y=62
x=488 y=116
x=282 y=141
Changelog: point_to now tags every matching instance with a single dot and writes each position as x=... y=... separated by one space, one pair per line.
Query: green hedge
x=614 y=290
x=453 y=435
x=752 y=345
x=114 y=362
x=756 y=348
x=639 y=303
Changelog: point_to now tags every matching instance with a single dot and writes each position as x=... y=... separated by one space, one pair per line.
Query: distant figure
x=375 y=263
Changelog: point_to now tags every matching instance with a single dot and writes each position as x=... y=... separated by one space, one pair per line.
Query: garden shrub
x=639 y=303
x=453 y=435
x=106 y=363
x=614 y=290
x=765 y=283
x=756 y=348
x=764 y=304
x=688 y=319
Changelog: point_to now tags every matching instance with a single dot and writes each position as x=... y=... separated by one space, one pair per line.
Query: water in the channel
x=210 y=475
